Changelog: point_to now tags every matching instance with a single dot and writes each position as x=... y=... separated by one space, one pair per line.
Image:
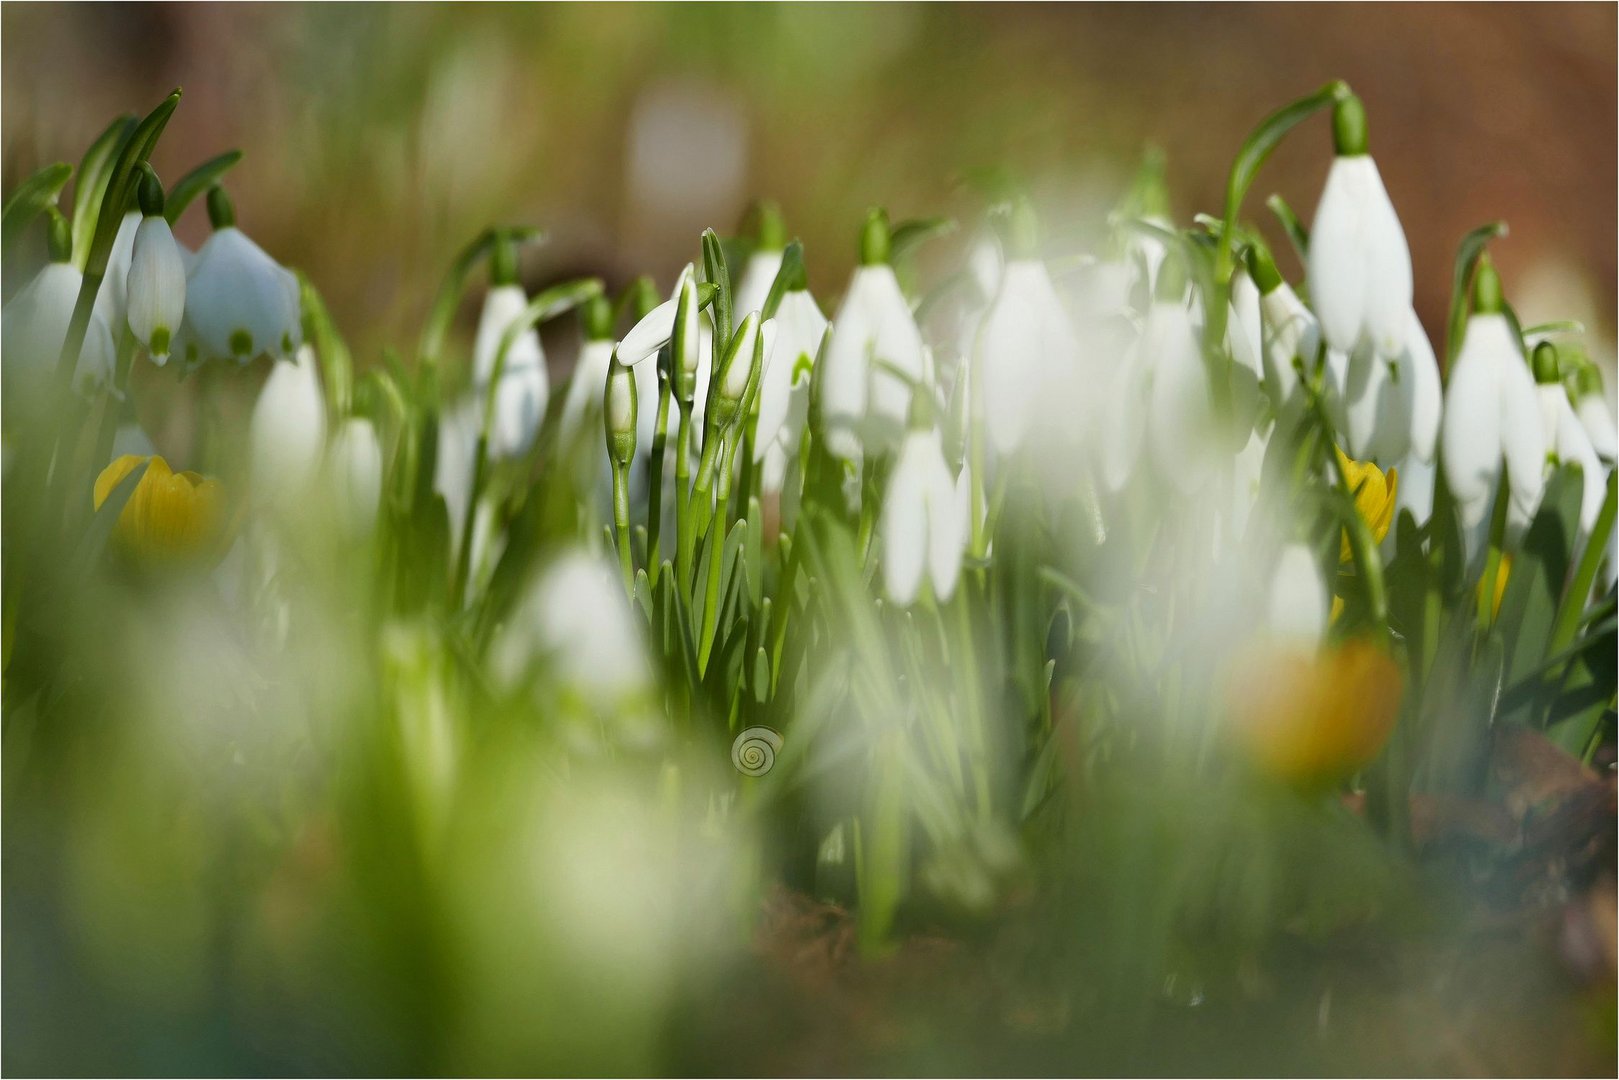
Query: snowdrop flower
x=1388 y=408
x=1290 y=333
x=157 y=275
x=784 y=386
x=1360 y=266
x=288 y=431
x=1591 y=406
x=924 y=519
x=240 y=302
x=35 y=324
x=524 y=388
x=759 y=273
x=1244 y=326
x=1491 y=413
x=681 y=323
x=575 y=615
x=112 y=299
x=1027 y=346
x=862 y=402
x=619 y=414
x=589 y=379
x=1296 y=604
x=354 y=474
x=1568 y=444
x=1181 y=423
x=1245 y=481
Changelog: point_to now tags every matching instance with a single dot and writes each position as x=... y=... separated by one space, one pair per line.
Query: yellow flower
x=1501 y=576
x=171 y=517
x=1374 y=493
x=1314 y=718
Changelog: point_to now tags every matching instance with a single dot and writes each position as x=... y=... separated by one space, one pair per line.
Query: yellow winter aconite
x=1314 y=718
x=170 y=517
x=1374 y=498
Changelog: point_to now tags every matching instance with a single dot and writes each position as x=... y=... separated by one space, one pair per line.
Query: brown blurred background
x=380 y=137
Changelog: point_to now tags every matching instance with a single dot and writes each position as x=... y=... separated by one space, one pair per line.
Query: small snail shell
x=754 y=751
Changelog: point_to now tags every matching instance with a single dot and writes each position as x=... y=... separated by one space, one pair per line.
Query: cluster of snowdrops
x=910 y=532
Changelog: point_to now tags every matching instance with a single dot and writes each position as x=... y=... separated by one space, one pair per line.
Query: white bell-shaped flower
x=758 y=275
x=800 y=326
x=586 y=385
x=240 y=303
x=1567 y=442
x=1180 y=414
x=1387 y=407
x=1591 y=406
x=924 y=527
x=1245 y=326
x=873 y=358
x=34 y=327
x=1491 y=414
x=354 y=475
x=1296 y=605
x=575 y=616
x=156 y=287
x=524 y=388
x=1027 y=344
x=1291 y=334
x=112 y=299
x=1360 y=264
x=287 y=434
x=1123 y=422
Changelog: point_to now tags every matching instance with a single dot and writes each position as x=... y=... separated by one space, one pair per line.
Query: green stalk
x=1492 y=564
x=621 y=521
x=684 y=539
x=975 y=698
x=654 y=509
x=1568 y=616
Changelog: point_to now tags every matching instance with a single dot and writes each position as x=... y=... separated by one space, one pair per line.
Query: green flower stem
x=1579 y=591
x=976 y=719
x=654 y=505
x=975 y=449
x=1362 y=546
x=621 y=522
x=1492 y=562
x=684 y=539
x=711 y=593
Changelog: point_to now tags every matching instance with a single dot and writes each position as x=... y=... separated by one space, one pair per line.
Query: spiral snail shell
x=754 y=751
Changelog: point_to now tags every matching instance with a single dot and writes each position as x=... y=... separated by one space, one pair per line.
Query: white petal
x=1124 y=423
x=1388 y=267
x=1338 y=269
x=1573 y=446
x=585 y=387
x=649 y=335
x=1599 y=425
x=896 y=344
x=757 y=277
x=1524 y=439
x=520 y=400
x=1470 y=434
x=1010 y=354
x=1418 y=373
x=288 y=430
x=1291 y=332
x=34 y=324
x=502 y=305
x=947 y=539
x=1243 y=326
x=905 y=521
x=157 y=285
x=800 y=326
x=237 y=300
x=1297 y=605
x=1180 y=427
x=354 y=466
x=1414 y=492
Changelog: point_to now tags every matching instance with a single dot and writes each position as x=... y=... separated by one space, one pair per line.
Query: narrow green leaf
x=30 y=199
x=197 y=181
x=95 y=171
